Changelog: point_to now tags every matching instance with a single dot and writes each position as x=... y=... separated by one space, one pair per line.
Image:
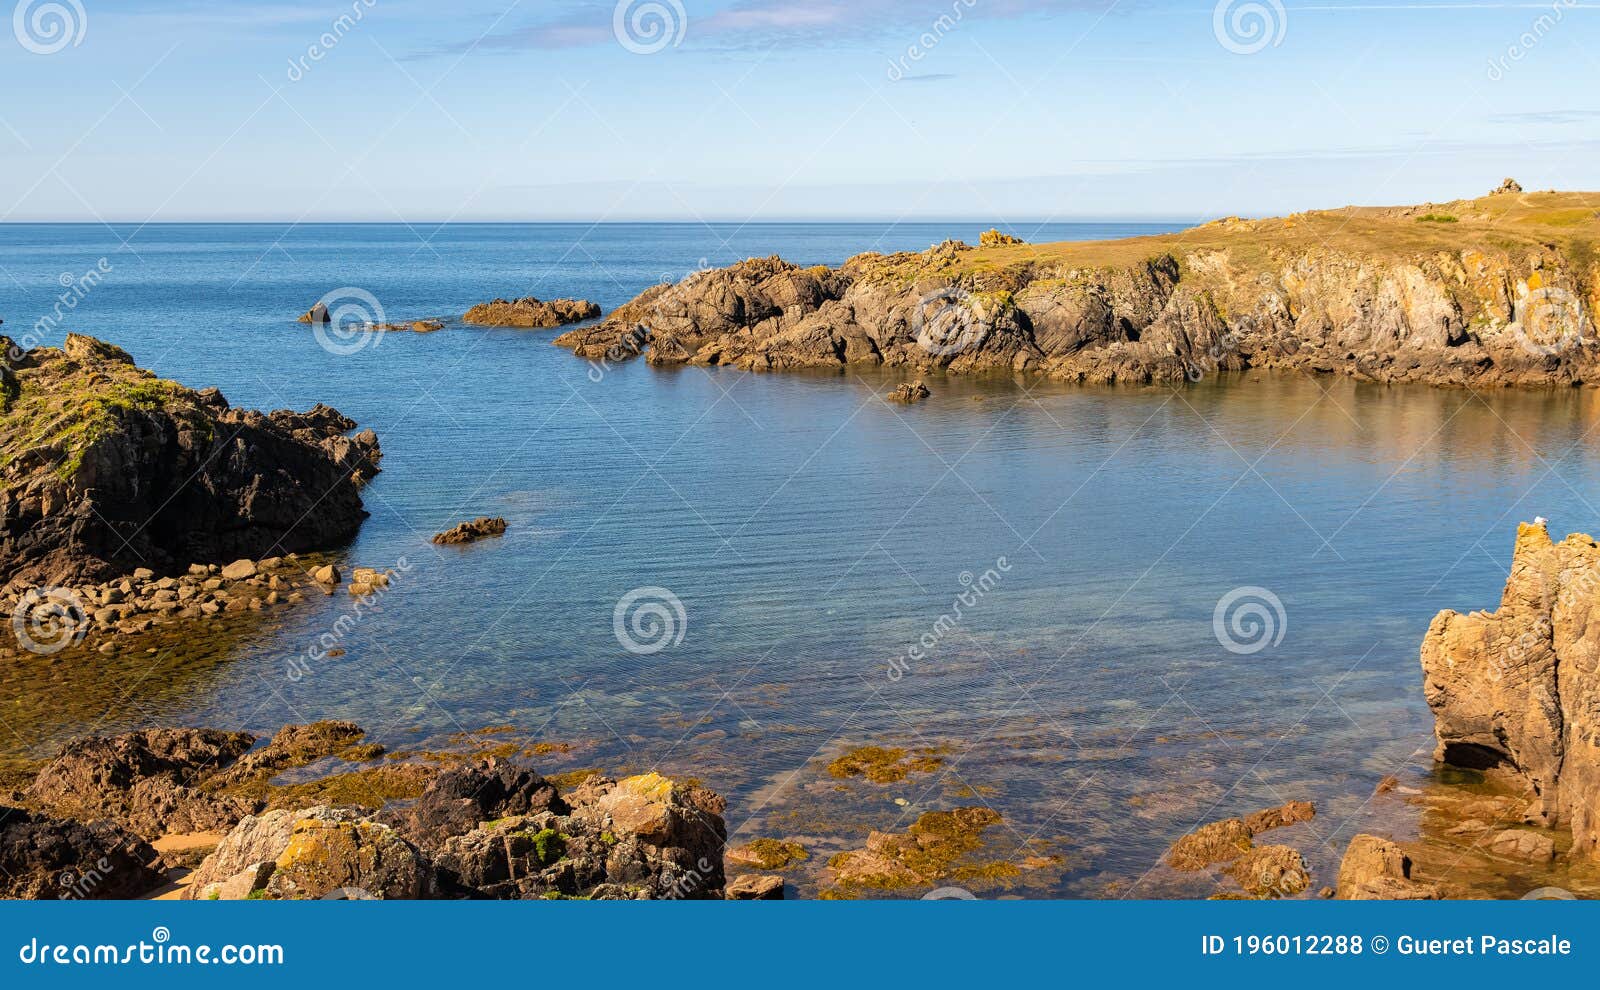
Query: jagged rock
x=43 y=858
x=1515 y=692
x=146 y=781
x=1506 y=186
x=470 y=532
x=530 y=312
x=642 y=837
x=1375 y=869
x=993 y=237
x=460 y=799
x=1292 y=813
x=755 y=887
x=107 y=468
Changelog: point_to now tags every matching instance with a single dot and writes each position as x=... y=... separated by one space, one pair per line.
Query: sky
x=390 y=110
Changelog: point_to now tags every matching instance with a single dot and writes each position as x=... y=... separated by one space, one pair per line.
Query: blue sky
x=764 y=109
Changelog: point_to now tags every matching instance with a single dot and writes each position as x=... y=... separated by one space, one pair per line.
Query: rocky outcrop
x=529 y=312
x=105 y=468
x=145 y=781
x=1375 y=869
x=1504 y=294
x=994 y=237
x=471 y=532
x=1516 y=692
x=44 y=858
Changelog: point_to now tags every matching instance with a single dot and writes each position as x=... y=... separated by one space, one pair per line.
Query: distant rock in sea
x=529 y=312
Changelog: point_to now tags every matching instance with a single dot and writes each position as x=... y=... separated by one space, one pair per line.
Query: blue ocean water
x=1179 y=604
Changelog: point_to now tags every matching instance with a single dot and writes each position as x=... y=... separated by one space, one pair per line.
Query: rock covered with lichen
x=105 y=468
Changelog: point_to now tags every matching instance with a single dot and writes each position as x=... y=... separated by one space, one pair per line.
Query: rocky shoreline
x=106 y=469
x=1504 y=293
x=467 y=828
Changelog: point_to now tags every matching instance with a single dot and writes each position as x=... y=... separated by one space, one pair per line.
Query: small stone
x=143 y=574
x=326 y=574
x=755 y=887
x=239 y=570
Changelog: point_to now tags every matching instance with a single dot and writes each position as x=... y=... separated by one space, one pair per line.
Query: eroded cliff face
x=1516 y=691
x=105 y=468
x=1501 y=291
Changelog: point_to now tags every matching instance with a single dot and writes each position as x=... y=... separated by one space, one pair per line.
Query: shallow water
x=813 y=534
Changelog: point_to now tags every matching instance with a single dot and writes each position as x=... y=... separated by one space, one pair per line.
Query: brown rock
x=910 y=394
x=470 y=532
x=1375 y=869
x=1215 y=842
x=1516 y=843
x=755 y=887
x=530 y=312
x=1292 y=813
x=1271 y=871
x=1515 y=692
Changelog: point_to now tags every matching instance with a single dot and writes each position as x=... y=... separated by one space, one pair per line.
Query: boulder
x=1271 y=871
x=45 y=858
x=755 y=887
x=1375 y=869
x=239 y=570
x=312 y=854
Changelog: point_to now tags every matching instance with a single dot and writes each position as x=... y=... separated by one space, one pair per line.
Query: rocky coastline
x=106 y=469
x=1498 y=291
x=457 y=828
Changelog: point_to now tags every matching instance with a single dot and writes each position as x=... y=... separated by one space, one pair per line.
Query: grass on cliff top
x=1509 y=222
x=68 y=404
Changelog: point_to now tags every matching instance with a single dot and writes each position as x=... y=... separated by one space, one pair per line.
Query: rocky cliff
x=1516 y=692
x=1494 y=291
x=105 y=468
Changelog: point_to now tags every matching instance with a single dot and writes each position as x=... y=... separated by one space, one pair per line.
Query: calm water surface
x=813 y=534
